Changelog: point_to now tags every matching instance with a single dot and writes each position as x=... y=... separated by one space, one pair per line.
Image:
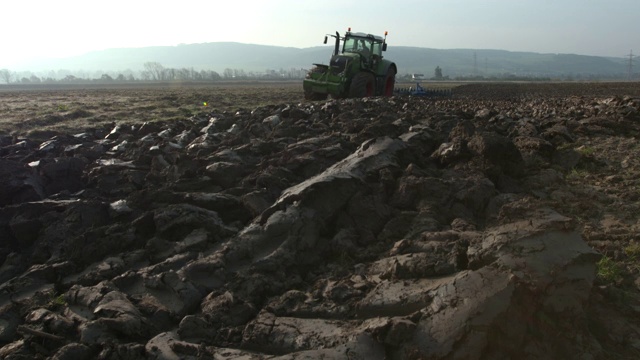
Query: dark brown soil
x=140 y=222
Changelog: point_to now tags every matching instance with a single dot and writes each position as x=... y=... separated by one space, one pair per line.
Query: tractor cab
x=365 y=44
x=369 y=47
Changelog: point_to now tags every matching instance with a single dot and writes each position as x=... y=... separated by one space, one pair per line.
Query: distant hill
x=218 y=56
x=465 y=62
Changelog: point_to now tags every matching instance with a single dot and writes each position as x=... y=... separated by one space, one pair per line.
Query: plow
x=419 y=90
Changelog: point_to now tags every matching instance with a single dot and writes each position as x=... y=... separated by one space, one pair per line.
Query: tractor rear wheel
x=362 y=85
x=389 y=82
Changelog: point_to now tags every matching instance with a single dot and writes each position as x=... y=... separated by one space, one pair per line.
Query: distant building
x=417 y=76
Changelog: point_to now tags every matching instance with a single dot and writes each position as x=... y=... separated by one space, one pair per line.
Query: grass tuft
x=609 y=271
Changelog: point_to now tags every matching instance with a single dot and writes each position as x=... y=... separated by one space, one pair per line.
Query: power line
x=631 y=56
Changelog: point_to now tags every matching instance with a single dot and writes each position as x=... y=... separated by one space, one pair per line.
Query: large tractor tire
x=362 y=85
x=389 y=82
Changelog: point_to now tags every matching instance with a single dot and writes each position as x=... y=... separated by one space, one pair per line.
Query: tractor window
x=357 y=45
x=350 y=45
x=377 y=49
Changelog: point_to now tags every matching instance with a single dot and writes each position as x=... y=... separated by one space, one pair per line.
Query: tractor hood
x=340 y=62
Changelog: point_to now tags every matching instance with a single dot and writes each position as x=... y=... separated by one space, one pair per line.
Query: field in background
x=45 y=110
x=70 y=109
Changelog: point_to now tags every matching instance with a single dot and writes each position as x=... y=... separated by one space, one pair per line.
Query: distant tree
x=170 y=74
x=214 y=75
x=63 y=73
x=183 y=74
x=6 y=75
x=120 y=78
x=106 y=77
x=270 y=73
x=227 y=73
x=209 y=75
x=145 y=75
x=239 y=74
x=34 y=79
x=155 y=70
x=438 y=73
x=25 y=80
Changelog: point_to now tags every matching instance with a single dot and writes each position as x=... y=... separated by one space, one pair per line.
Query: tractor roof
x=363 y=35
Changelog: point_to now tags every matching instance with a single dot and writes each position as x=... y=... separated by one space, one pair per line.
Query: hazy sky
x=60 y=28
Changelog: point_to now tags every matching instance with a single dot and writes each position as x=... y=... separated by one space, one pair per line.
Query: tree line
x=152 y=72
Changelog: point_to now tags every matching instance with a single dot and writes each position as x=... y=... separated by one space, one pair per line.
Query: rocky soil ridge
x=404 y=228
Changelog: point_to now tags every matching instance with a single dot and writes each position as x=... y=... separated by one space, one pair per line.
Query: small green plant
x=565 y=146
x=63 y=107
x=633 y=251
x=608 y=270
x=576 y=174
x=586 y=150
x=57 y=301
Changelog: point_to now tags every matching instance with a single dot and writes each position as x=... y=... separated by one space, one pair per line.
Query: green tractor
x=357 y=71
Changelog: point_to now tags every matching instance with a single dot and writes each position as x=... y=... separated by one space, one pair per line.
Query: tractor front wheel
x=389 y=82
x=362 y=85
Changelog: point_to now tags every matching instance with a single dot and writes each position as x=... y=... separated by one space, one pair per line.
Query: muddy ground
x=142 y=223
